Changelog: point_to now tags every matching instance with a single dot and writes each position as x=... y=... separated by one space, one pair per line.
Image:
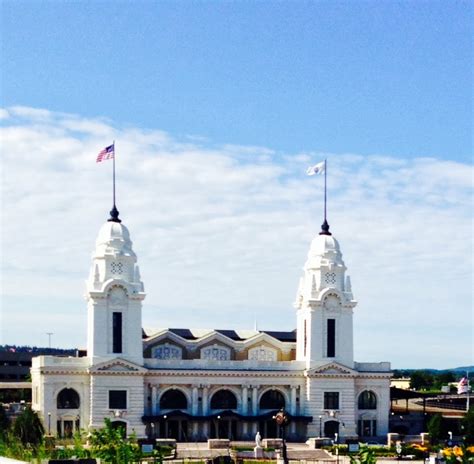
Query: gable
x=331 y=369
x=118 y=366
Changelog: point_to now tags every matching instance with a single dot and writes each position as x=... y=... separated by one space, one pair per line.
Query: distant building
x=195 y=384
x=403 y=383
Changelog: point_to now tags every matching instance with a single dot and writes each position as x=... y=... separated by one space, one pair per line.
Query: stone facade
x=198 y=384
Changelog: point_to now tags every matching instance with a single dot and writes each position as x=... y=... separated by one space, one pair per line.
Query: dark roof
x=184 y=333
x=282 y=336
x=233 y=335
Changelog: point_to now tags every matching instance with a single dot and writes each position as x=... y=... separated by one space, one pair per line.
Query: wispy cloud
x=222 y=233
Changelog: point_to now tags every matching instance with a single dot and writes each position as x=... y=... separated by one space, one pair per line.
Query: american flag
x=463 y=386
x=106 y=154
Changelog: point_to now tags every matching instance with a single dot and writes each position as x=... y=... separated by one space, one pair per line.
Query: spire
x=114 y=215
x=325 y=228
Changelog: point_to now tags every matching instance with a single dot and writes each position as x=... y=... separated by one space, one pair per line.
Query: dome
x=114 y=237
x=322 y=244
x=324 y=250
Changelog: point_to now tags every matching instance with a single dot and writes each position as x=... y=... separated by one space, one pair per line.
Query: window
x=68 y=398
x=305 y=337
x=367 y=400
x=215 y=353
x=167 y=351
x=116 y=332
x=117 y=399
x=330 y=278
x=116 y=268
x=331 y=338
x=331 y=400
x=367 y=428
x=262 y=354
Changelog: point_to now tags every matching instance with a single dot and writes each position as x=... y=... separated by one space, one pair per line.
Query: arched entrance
x=120 y=425
x=173 y=399
x=331 y=428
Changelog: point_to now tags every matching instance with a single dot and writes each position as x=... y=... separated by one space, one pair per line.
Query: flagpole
x=113 y=176
x=325 y=225
x=467 y=399
x=114 y=213
x=325 y=189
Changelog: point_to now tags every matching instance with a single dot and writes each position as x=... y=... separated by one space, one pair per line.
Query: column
x=205 y=400
x=245 y=402
x=293 y=401
x=254 y=408
x=154 y=400
x=245 y=409
x=195 y=401
x=255 y=399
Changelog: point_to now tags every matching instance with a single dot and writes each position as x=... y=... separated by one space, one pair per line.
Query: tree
x=28 y=427
x=421 y=380
x=467 y=424
x=4 y=422
x=434 y=426
x=111 y=445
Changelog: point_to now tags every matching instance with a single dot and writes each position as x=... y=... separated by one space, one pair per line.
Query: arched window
x=173 y=399
x=223 y=399
x=167 y=351
x=215 y=353
x=272 y=399
x=262 y=353
x=68 y=398
x=367 y=400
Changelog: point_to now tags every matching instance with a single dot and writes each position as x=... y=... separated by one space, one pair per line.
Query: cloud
x=222 y=233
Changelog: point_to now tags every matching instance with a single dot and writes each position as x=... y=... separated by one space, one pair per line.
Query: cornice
x=234 y=373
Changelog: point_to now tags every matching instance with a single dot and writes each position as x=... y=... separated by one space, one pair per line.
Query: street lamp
x=49 y=423
x=282 y=420
x=336 y=440
x=450 y=441
x=320 y=426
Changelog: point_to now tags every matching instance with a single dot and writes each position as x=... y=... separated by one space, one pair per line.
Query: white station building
x=198 y=384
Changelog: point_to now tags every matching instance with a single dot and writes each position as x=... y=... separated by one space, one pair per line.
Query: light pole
x=282 y=420
x=320 y=426
x=49 y=423
x=49 y=338
x=336 y=440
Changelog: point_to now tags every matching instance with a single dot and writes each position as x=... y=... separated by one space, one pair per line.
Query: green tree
x=4 y=423
x=434 y=426
x=111 y=445
x=421 y=380
x=467 y=424
x=28 y=428
x=365 y=456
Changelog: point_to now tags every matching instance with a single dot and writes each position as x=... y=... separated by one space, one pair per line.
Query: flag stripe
x=106 y=154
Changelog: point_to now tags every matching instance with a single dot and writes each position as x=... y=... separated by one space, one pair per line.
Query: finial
x=325 y=228
x=114 y=215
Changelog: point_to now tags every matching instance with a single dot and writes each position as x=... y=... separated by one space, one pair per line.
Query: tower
x=324 y=305
x=114 y=296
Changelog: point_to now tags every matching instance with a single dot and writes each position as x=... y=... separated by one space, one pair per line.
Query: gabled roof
x=235 y=335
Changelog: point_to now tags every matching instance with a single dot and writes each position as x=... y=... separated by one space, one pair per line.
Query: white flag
x=316 y=169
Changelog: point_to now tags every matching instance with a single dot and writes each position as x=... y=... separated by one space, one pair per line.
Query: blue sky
x=364 y=77
x=217 y=109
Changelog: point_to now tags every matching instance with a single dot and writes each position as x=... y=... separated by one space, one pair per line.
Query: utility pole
x=49 y=338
